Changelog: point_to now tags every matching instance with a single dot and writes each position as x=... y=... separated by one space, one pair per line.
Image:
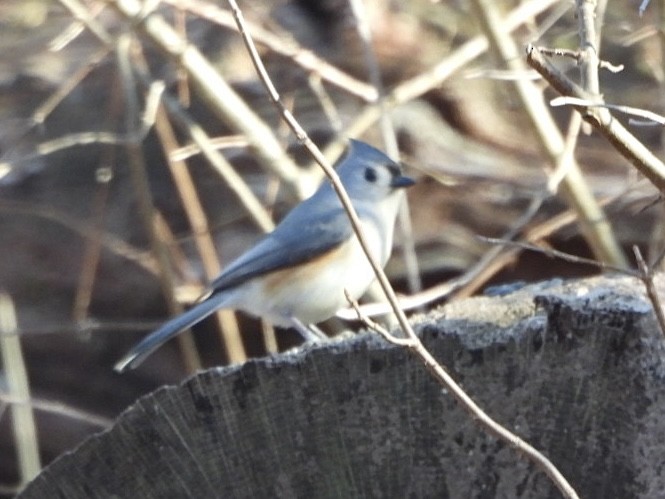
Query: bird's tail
x=154 y=340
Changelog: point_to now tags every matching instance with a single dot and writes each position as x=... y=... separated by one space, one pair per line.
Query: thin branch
x=141 y=186
x=566 y=159
x=491 y=262
x=463 y=55
x=479 y=271
x=435 y=76
x=218 y=95
x=88 y=138
x=217 y=143
x=111 y=242
x=23 y=419
x=390 y=140
x=646 y=275
x=93 y=244
x=601 y=119
x=575 y=188
x=199 y=223
x=325 y=165
x=577 y=57
x=58 y=409
x=553 y=253
x=205 y=144
x=589 y=60
x=47 y=107
x=328 y=107
x=284 y=46
x=75 y=28
x=184 y=95
x=631 y=111
x=370 y=324
x=82 y=13
x=416 y=346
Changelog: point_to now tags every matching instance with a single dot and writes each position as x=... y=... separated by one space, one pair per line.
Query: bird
x=297 y=274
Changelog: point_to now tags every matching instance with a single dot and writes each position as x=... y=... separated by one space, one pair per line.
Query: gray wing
x=307 y=232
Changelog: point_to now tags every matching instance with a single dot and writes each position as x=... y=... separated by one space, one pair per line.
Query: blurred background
x=112 y=218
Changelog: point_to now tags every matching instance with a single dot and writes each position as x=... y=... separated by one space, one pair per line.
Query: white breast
x=314 y=291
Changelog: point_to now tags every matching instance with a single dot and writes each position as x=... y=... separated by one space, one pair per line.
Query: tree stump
x=576 y=368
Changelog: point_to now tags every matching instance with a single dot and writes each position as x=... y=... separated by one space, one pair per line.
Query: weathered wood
x=574 y=367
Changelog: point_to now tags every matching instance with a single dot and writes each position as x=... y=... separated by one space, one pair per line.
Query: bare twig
x=566 y=160
x=219 y=95
x=590 y=17
x=577 y=56
x=491 y=262
x=93 y=243
x=217 y=143
x=325 y=101
x=321 y=160
x=57 y=408
x=425 y=81
x=45 y=109
x=390 y=140
x=87 y=138
x=631 y=111
x=84 y=230
x=415 y=345
x=83 y=139
x=23 y=421
x=83 y=14
x=199 y=224
x=183 y=83
x=479 y=272
x=179 y=260
x=646 y=274
x=205 y=144
x=623 y=141
x=143 y=194
x=589 y=61
x=369 y=323
x=553 y=253
x=576 y=190
x=75 y=28
x=93 y=246
x=435 y=76
x=284 y=46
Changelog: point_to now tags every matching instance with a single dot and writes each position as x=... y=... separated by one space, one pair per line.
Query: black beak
x=401 y=181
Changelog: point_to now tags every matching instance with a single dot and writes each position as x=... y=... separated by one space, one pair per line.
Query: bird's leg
x=310 y=333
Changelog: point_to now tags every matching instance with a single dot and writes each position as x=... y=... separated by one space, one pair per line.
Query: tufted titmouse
x=297 y=274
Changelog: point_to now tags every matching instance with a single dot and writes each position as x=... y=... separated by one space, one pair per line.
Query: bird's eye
x=370 y=175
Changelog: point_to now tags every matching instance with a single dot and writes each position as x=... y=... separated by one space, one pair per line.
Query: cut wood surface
x=574 y=367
